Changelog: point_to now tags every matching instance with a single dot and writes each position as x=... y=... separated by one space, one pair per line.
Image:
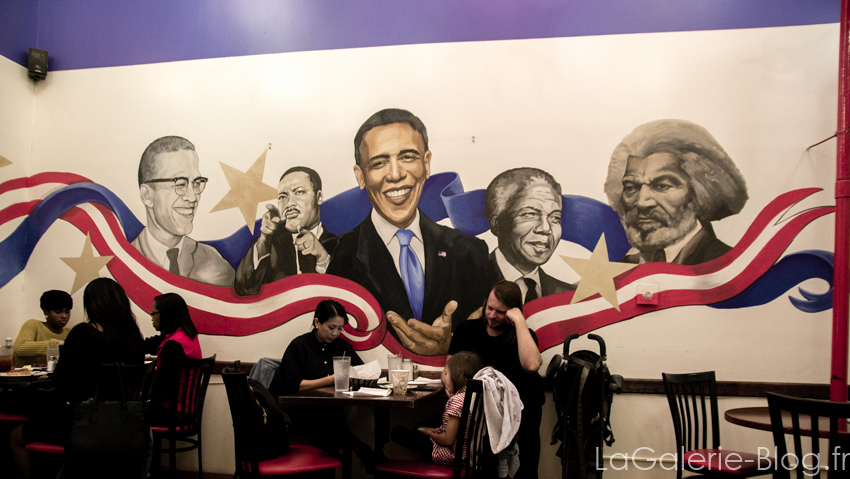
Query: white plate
x=34 y=374
x=426 y=382
x=390 y=386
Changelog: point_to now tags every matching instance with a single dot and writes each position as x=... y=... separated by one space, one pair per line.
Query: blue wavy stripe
x=584 y=219
x=233 y=247
x=18 y=246
x=788 y=272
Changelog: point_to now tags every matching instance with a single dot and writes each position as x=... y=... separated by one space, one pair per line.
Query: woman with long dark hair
x=178 y=338
x=109 y=335
x=308 y=364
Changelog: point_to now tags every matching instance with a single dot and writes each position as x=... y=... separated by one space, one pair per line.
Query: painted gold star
x=597 y=274
x=247 y=190
x=4 y=162
x=87 y=266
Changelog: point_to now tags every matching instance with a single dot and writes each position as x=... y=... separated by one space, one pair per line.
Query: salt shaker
x=52 y=354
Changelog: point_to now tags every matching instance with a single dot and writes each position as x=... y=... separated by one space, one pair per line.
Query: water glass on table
x=341 y=370
x=393 y=362
x=400 y=381
x=407 y=363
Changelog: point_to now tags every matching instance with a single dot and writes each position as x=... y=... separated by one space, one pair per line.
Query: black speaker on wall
x=37 y=64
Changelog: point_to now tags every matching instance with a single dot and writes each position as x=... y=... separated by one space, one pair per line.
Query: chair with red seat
x=136 y=379
x=809 y=462
x=12 y=419
x=301 y=458
x=47 y=457
x=187 y=388
x=692 y=422
x=471 y=436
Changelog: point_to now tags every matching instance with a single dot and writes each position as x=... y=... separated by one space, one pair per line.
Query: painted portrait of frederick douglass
x=669 y=180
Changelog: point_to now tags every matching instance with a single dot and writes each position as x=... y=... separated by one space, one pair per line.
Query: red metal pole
x=840 y=288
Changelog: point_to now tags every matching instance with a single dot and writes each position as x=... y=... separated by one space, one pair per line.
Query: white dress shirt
x=159 y=250
x=510 y=273
x=387 y=231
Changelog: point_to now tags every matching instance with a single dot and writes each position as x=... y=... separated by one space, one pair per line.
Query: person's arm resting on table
x=25 y=343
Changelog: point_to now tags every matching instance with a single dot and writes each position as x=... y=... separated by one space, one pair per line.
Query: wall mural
x=668 y=181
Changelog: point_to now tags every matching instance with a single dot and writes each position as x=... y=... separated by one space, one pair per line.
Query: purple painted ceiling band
x=102 y=33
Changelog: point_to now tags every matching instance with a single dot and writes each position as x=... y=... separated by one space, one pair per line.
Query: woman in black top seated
x=308 y=364
x=110 y=335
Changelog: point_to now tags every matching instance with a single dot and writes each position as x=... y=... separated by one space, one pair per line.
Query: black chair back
x=834 y=414
x=137 y=380
x=693 y=404
x=472 y=435
x=239 y=399
x=186 y=385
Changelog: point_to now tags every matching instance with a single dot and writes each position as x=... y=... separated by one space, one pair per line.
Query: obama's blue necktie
x=411 y=273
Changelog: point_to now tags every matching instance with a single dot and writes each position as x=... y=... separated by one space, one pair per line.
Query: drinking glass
x=393 y=362
x=407 y=364
x=341 y=366
x=400 y=381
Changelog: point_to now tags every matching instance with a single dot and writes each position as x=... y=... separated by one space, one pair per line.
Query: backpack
x=269 y=429
x=583 y=389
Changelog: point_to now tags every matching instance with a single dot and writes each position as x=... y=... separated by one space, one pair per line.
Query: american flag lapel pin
x=441 y=254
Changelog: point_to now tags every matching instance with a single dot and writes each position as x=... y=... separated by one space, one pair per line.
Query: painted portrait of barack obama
x=426 y=277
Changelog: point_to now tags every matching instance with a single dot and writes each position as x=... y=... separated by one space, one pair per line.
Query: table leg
x=382 y=431
x=346 y=462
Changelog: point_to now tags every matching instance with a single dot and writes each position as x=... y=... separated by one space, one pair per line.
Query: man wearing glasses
x=170 y=186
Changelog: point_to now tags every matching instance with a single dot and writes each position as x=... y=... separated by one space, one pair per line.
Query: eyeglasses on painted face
x=181 y=183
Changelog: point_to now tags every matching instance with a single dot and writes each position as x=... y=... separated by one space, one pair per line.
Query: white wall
x=558 y=104
x=16 y=134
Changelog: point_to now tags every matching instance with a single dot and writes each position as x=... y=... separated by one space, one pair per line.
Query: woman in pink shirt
x=178 y=339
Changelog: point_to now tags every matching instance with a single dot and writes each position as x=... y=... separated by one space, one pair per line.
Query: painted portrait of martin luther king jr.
x=669 y=180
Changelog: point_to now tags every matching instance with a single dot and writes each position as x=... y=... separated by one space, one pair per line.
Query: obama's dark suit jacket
x=456 y=268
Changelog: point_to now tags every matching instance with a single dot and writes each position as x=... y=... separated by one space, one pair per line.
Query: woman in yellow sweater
x=31 y=344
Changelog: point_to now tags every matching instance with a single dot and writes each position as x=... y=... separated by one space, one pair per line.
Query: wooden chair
x=187 y=385
x=687 y=395
x=812 y=410
x=471 y=435
x=301 y=458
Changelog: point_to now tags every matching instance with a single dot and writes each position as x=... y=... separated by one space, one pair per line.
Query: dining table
x=8 y=381
x=414 y=398
x=759 y=418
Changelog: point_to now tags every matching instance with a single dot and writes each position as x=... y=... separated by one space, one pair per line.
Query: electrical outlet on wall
x=648 y=294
